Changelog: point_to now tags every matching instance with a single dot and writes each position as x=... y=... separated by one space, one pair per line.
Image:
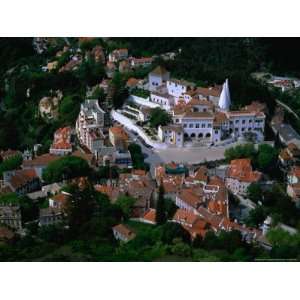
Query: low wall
x=126 y=122
x=142 y=101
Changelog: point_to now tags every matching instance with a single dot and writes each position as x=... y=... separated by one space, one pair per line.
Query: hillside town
x=158 y=153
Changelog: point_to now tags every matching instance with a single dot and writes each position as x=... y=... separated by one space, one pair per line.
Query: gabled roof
x=125 y=231
x=241 y=170
x=159 y=70
x=22 y=177
x=150 y=216
x=42 y=160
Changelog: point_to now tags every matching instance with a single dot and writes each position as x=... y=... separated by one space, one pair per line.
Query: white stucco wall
x=129 y=124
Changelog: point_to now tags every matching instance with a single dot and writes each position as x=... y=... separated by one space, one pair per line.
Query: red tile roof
x=119 y=132
x=150 y=216
x=42 y=160
x=23 y=177
x=125 y=231
x=241 y=170
x=62 y=139
x=191 y=197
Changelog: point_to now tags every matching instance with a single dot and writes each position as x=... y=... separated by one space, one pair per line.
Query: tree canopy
x=66 y=168
x=159 y=116
x=11 y=163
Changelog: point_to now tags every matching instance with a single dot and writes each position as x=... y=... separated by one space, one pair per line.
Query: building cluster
x=202 y=203
x=289 y=159
x=201 y=114
x=137 y=184
x=106 y=144
x=120 y=60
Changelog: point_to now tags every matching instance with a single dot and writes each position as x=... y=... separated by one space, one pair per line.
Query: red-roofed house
x=62 y=142
x=39 y=163
x=149 y=217
x=141 y=62
x=192 y=222
x=22 y=181
x=118 y=137
x=123 y=233
x=190 y=199
x=59 y=200
x=240 y=175
x=118 y=54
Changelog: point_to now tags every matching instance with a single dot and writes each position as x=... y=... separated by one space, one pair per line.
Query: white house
x=158 y=77
x=171 y=135
x=165 y=100
x=178 y=88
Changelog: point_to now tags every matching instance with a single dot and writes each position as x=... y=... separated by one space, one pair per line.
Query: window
x=243 y=129
x=184 y=125
x=191 y=125
x=193 y=135
x=203 y=125
x=249 y=129
x=208 y=125
x=200 y=135
x=216 y=131
x=197 y=125
x=207 y=135
x=237 y=121
x=177 y=120
x=244 y=121
x=250 y=121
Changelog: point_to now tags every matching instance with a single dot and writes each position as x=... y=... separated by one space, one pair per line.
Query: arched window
x=193 y=135
x=200 y=135
x=186 y=135
x=207 y=135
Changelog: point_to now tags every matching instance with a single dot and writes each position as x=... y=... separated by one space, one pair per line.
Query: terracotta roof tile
x=241 y=170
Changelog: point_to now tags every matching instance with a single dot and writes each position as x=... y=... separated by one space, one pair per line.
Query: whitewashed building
x=178 y=88
x=171 y=135
x=162 y=98
x=89 y=125
x=158 y=77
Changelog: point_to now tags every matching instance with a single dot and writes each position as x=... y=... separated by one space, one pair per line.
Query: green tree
x=256 y=216
x=137 y=157
x=158 y=117
x=267 y=157
x=161 y=213
x=171 y=231
x=240 y=151
x=66 y=168
x=170 y=207
x=80 y=206
x=90 y=72
x=69 y=108
x=11 y=163
x=181 y=249
x=119 y=91
x=254 y=192
x=126 y=204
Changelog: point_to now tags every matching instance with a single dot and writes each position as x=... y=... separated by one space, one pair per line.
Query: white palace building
x=201 y=114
